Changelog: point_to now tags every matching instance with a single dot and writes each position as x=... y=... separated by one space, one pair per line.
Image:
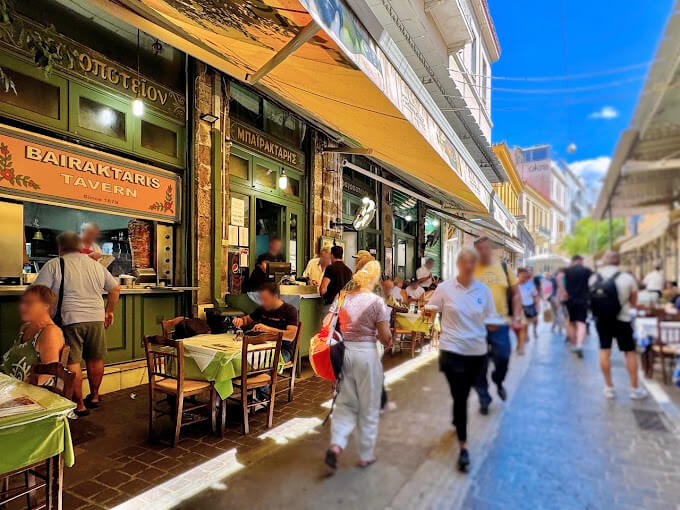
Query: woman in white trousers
x=363 y=321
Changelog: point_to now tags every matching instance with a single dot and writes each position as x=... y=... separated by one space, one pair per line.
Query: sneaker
x=464 y=461
x=502 y=393
x=638 y=393
x=609 y=392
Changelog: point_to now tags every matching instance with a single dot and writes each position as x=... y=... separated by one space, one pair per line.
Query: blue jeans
x=499 y=352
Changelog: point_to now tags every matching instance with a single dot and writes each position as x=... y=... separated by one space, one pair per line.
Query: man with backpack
x=612 y=294
x=503 y=284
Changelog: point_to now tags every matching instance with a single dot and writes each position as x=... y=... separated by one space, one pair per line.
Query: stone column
x=386 y=222
x=326 y=199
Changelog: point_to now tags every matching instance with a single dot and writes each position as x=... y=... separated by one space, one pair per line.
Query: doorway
x=269 y=220
x=404 y=256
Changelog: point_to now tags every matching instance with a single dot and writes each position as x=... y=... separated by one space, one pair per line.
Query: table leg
x=54 y=478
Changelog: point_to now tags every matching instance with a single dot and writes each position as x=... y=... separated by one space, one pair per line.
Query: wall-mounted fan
x=365 y=214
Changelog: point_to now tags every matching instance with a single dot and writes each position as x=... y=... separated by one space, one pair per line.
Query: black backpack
x=604 y=298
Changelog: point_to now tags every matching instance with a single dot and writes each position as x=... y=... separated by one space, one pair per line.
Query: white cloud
x=592 y=171
x=606 y=112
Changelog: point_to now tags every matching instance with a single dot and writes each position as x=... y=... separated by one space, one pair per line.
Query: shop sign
x=87 y=64
x=355 y=189
x=266 y=145
x=41 y=169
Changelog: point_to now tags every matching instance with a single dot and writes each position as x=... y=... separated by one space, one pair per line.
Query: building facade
x=558 y=203
x=537 y=211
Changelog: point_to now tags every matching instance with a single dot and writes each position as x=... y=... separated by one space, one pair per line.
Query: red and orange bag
x=327 y=350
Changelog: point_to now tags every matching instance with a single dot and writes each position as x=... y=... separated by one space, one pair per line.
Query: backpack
x=604 y=298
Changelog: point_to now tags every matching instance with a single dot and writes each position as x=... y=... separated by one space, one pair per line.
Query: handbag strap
x=334 y=321
x=57 y=315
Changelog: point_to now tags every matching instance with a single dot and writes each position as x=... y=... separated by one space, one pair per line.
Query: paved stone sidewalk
x=562 y=445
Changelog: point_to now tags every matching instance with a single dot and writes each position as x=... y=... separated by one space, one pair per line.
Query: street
x=556 y=443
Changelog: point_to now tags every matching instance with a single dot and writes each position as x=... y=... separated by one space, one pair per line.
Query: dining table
x=34 y=430
x=417 y=322
x=215 y=358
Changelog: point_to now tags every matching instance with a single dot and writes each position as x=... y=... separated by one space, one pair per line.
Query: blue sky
x=539 y=38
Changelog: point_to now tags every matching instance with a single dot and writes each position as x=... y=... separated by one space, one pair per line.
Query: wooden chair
x=63 y=378
x=666 y=346
x=165 y=365
x=168 y=326
x=259 y=370
x=290 y=367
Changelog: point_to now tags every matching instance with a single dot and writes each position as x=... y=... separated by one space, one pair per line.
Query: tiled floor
x=115 y=461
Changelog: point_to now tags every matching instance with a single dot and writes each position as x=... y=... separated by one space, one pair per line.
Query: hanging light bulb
x=408 y=217
x=435 y=223
x=365 y=200
x=283 y=180
x=138 y=107
x=571 y=148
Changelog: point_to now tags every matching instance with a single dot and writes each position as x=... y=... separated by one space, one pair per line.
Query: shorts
x=621 y=330
x=86 y=340
x=577 y=311
x=530 y=311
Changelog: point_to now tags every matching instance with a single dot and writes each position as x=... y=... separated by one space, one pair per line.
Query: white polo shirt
x=416 y=293
x=463 y=310
x=422 y=272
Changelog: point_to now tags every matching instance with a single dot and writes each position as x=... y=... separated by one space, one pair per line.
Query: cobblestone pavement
x=562 y=445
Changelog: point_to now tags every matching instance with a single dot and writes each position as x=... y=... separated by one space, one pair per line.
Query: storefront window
x=265 y=176
x=238 y=167
x=281 y=124
x=433 y=246
x=292 y=241
x=245 y=105
x=158 y=139
x=35 y=95
x=293 y=187
x=101 y=118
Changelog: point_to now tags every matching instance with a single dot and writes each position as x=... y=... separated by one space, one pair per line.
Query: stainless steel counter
x=17 y=290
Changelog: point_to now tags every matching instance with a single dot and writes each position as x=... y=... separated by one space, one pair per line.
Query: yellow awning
x=647 y=236
x=340 y=77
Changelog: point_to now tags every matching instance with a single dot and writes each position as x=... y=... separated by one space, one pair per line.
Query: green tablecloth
x=37 y=434
x=214 y=358
x=415 y=322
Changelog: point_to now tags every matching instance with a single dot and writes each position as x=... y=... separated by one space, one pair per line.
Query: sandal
x=81 y=414
x=90 y=404
x=365 y=463
x=331 y=461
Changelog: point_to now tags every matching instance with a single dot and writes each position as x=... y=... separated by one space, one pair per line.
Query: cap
x=361 y=254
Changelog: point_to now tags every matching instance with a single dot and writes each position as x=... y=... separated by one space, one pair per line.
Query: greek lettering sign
x=85 y=63
x=41 y=169
x=267 y=146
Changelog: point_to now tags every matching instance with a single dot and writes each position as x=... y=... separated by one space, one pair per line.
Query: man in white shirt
x=424 y=274
x=414 y=292
x=316 y=266
x=89 y=232
x=81 y=312
x=619 y=328
x=654 y=281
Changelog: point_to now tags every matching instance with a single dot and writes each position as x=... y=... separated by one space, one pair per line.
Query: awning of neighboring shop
x=644 y=175
x=315 y=55
x=548 y=258
x=514 y=245
x=647 y=236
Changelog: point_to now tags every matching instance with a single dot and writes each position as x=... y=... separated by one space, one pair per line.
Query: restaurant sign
x=266 y=145
x=42 y=169
x=87 y=64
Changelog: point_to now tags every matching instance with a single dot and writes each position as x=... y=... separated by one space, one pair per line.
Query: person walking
x=363 y=320
x=530 y=301
x=335 y=277
x=576 y=278
x=80 y=281
x=464 y=303
x=503 y=285
x=614 y=293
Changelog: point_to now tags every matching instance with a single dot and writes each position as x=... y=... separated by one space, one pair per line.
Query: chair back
x=63 y=355
x=260 y=355
x=168 y=327
x=164 y=359
x=669 y=332
x=63 y=378
x=296 y=343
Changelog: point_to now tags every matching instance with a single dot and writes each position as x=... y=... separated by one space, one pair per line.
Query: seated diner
x=273 y=315
x=39 y=340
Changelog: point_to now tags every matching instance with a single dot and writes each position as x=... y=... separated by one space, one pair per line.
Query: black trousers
x=461 y=373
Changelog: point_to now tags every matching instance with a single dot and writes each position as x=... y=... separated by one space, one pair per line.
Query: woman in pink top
x=363 y=320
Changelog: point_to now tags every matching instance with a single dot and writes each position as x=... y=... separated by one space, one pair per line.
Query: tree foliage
x=590 y=236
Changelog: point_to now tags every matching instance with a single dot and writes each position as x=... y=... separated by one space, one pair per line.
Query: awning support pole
x=291 y=46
